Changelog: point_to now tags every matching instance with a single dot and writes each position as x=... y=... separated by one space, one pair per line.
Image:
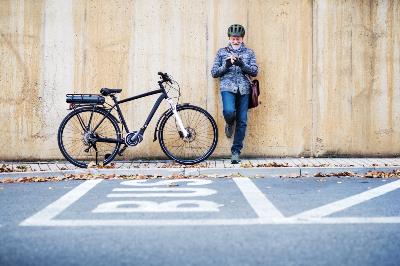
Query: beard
x=235 y=46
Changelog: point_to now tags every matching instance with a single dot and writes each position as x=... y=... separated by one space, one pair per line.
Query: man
x=233 y=64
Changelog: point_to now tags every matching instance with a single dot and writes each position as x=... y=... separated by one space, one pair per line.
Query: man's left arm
x=251 y=68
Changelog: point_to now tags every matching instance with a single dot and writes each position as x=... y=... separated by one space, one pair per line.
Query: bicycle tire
x=72 y=123
x=191 y=123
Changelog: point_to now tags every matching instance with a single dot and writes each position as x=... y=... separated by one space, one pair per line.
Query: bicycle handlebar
x=165 y=77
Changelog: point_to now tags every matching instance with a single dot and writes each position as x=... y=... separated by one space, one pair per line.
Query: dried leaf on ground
x=91 y=165
x=273 y=164
x=171 y=165
x=108 y=166
x=178 y=176
x=246 y=165
x=7 y=180
x=380 y=174
x=315 y=165
x=334 y=174
x=20 y=168
x=5 y=168
x=100 y=165
x=177 y=165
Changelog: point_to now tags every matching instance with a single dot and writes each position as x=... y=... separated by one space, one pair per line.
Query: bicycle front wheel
x=89 y=135
x=202 y=139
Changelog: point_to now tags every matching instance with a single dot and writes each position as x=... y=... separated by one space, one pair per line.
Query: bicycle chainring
x=133 y=138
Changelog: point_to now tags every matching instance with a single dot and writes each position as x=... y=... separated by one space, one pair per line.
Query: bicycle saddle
x=107 y=91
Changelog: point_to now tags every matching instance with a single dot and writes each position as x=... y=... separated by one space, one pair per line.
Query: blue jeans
x=235 y=107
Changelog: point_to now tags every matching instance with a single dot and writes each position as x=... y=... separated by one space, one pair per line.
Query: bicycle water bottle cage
x=107 y=91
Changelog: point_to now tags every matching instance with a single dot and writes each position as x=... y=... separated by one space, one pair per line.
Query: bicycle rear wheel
x=202 y=139
x=78 y=138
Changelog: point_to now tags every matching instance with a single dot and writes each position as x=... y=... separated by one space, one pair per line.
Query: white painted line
x=61 y=204
x=218 y=222
x=162 y=192
x=147 y=183
x=153 y=207
x=348 y=202
x=261 y=205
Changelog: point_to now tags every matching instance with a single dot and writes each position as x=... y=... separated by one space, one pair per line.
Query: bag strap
x=247 y=76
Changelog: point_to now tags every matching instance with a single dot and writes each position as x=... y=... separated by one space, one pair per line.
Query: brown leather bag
x=254 y=93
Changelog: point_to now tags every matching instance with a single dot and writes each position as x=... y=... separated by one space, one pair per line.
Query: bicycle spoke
x=75 y=138
x=198 y=144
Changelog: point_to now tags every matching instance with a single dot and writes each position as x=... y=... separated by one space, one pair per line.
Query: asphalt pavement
x=268 y=220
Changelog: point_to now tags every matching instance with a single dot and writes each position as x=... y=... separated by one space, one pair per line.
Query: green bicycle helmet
x=236 y=30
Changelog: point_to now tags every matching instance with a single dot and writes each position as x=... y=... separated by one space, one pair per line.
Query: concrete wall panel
x=329 y=70
x=21 y=66
x=356 y=77
x=280 y=32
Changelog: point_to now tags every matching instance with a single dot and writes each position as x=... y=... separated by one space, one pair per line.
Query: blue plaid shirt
x=233 y=79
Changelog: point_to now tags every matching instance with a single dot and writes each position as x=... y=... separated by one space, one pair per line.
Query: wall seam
x=313 y=60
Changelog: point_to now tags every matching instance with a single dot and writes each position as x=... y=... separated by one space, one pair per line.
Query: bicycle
x=187 y=133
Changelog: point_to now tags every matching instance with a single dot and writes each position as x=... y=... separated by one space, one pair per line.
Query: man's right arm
x=219 y=67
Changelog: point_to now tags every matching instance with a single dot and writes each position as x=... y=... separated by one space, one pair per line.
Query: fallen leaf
x=6 y=180
x=246 y=165
x=380 y=174
x=20 y=168
x=91 y=165
x=334 y=174
x=5 y=168
x=273 y=164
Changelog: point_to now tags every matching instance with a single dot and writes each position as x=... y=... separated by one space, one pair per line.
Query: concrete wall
x=329 y=70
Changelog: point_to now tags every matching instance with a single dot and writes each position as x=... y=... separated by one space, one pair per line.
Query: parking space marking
x=267 y=212
x=58 y=206
x=348 y=202
x=257 y=200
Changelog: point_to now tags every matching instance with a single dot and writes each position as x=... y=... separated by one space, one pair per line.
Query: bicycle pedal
x=122 y=150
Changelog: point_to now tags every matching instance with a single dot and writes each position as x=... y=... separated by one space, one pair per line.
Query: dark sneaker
x=229 y=130
x=235 y=158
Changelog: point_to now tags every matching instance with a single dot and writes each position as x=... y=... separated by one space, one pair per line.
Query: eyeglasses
x=232 y=38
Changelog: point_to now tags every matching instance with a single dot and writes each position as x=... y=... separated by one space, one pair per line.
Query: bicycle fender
x=158 y=123
x=178 y=107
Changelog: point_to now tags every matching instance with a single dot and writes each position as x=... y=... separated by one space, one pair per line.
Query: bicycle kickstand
x=97 y=154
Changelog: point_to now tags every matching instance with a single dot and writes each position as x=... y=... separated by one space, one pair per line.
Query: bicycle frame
x=163 y=96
